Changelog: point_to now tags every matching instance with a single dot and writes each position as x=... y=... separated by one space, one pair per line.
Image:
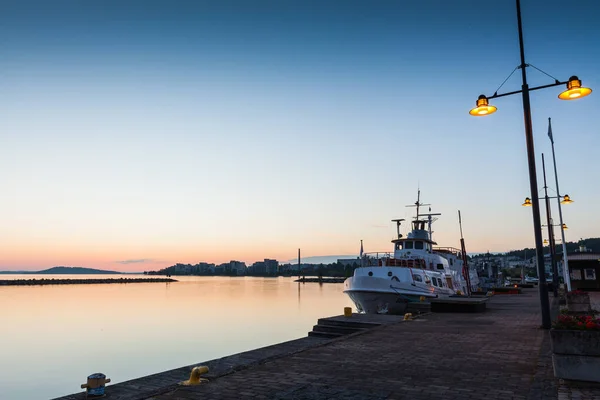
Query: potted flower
x=578 y=301
x=576 y=347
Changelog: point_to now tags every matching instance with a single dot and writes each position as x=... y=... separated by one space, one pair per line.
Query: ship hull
x=374 y=295
x=378 y=303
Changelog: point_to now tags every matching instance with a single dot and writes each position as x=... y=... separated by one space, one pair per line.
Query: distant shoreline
x=52 y=281
x=67 y=271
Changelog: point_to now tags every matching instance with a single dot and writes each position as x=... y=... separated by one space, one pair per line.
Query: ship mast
x=418 y=204
x=430 y=220
x=466 y=271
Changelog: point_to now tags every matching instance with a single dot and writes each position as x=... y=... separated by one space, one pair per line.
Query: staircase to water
x=333 y=327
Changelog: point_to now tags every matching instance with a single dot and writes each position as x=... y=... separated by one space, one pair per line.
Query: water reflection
x=130 y=330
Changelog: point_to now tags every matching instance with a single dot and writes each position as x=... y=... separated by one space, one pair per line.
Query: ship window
x=417 y=278
x=440 y=266
x=451 y=261
x=434 y=281
x=419 y=245
x=398 y=246
x=408 y=245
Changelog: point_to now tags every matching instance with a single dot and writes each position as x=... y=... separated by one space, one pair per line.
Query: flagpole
x=566 y=274
x=361 y=253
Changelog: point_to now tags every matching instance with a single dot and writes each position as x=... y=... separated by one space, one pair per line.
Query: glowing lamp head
x=527 y=202
x=482 y=108
x=565 y=227
x=574 y=90
x=566 y=199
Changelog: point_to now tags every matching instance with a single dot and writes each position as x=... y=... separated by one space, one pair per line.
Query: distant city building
x=238 y=267
x=258 y=268
x=271 y=266
x=206 y=268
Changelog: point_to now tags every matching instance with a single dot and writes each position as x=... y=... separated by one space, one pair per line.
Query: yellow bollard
x=195 y=376
x=407 y=316
x=347 y=311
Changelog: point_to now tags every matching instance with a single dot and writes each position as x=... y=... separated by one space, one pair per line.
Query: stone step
x=344 y=330
x=345 y=323
x=328 y=335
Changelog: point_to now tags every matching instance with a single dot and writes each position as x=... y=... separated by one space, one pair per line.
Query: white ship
x=387 y=282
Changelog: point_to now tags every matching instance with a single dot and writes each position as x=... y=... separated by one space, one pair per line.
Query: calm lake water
x=53 y=337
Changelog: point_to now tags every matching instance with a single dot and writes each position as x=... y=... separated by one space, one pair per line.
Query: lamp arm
x=495 y=95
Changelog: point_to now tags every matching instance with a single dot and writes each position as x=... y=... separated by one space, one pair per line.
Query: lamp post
x=566 y=200
x=550 y=235
x=563 y=227
x=574 y=91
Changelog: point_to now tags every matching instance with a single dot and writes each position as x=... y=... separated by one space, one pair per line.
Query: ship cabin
x=454 y=256
x=417 y=241
x=417 y=250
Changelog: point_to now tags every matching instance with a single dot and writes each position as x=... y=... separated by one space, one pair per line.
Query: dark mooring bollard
x=95 y=385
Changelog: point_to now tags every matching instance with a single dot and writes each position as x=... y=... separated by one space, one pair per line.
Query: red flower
x=577 y=322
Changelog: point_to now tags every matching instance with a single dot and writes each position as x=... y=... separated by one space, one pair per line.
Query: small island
x=60 y=270
x=64 y=271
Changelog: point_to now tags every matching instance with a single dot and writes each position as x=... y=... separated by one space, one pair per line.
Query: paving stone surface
x=148 y=386
x=499 y=354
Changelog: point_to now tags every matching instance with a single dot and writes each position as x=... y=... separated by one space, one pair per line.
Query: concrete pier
x=497 y=354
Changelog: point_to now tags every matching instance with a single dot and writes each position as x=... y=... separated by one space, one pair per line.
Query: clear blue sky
x=154 y=132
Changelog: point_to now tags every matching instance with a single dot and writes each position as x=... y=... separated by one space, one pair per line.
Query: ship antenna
x=418 y=201
x=418 y=204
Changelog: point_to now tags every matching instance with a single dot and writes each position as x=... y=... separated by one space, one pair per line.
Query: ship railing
x=451 y=250
x=378 y=259
x=372 y=259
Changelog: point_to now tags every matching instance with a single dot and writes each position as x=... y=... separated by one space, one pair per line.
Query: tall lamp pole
x=550 y=234
x=574 y=91
x=537 y=225
x=566 y=274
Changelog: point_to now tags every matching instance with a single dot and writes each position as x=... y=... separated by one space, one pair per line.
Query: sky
x=137 y=134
